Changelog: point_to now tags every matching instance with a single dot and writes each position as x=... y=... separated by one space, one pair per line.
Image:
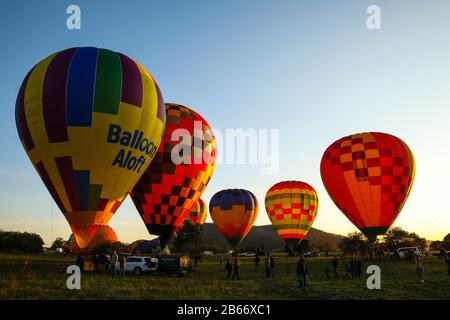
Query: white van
x=403 y=252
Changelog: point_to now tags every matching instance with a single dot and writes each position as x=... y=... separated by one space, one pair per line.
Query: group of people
x=117 y=265
x=269 y=265
x=232 y=267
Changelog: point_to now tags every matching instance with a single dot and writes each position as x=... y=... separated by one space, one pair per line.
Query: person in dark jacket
x=358 y=269
x=272 y=266
x=236 y=267
x=229 y=268
x=80 y=262
x=302 y=272
x=267 y=265
x=257 y=260
x=335 y=266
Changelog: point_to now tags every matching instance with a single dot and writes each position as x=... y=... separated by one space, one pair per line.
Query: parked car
x=312 y=254
x=174 y=264
x=406 y=252
x=208 y=253
x=138 y=265
x=247 y=254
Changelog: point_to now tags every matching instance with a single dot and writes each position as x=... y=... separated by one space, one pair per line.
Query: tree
x=446 y=242
x=436 y=245
x=397 y=238
x=355 y=243
x=21 y=242
x=328 y=247
x=189 y=239
x=58 y=243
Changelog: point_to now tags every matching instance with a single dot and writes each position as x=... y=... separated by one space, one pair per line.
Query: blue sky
x=308 y=68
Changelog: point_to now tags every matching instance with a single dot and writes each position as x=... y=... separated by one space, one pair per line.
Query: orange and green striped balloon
x=369 y=177
x=292 y=207
x=90 y=121
x=198 y=212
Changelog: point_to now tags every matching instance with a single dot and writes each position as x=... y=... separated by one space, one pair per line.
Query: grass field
x=46 y=279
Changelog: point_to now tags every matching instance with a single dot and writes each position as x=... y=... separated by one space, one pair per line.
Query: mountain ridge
x=266 y=236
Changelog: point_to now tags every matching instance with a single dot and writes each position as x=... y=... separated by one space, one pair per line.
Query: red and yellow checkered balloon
x=369 y=177
x=167 y=191
x=292 y=207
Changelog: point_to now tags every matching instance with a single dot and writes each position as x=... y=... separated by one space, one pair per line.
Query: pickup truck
x=174 y=264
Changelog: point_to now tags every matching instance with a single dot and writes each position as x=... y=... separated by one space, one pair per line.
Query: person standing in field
x=80 y=263
x=25 y=267
x=302 y=272
x=358 y=269
x=447 y=261
x=267 y=264
x=335 y=266
x=229 y=268
x=257 y=260
x=236 y=267
x=419 y=268
x=272 y=266
x=327 y=271
x=123 y=264
x=114 y=264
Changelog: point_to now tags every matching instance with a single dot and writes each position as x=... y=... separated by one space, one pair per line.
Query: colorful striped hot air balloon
x=234 y=211
x=292 y=207
x=198 y=212
x=369 y=177
x=168 y=190
x=90 y=121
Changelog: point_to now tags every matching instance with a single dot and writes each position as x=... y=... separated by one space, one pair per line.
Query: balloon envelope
x=198 y=213
x=369 y=177
x=104 y=234
x=292 y=207
x=234 y=211
x=168 y=190
x=145 y=246
x=90 y=121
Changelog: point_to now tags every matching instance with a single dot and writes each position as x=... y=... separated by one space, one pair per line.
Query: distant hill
x=268 y=237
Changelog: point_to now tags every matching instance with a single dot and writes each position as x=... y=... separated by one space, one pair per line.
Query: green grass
x=46 y=279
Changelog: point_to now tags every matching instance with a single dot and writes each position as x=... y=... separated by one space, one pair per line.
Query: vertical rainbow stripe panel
x=292 y=207
x=90 y=121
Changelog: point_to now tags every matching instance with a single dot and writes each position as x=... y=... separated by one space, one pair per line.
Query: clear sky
x=311 y=69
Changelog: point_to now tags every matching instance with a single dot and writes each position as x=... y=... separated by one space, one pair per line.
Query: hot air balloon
x=198 y=212
x=233 y=212
x=179 y=174
x=90 y=121
x=145 y=246
x=369 y=177
x=104 y=234
x=292 y=207
x=197 y=215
